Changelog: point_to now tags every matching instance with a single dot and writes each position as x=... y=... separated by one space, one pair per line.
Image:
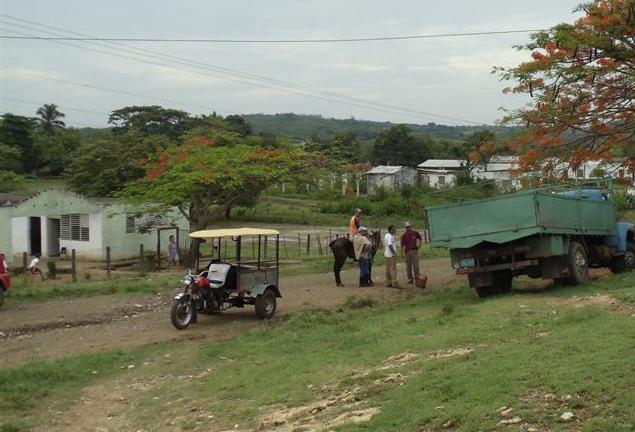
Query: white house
x=389 y=177
x=57 y=219
x=498 y=169
x=441 y=172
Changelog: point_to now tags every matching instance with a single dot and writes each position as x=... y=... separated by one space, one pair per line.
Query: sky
x=441 y=80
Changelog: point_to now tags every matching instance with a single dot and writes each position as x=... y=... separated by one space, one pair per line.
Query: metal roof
x=232 y=232
x=385 y=169
x=443 y=163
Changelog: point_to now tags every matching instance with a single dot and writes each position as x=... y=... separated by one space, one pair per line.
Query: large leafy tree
x=581 y=78
x=102 y=166
x=151 y=120
x=399 y=146
x=50 y=119
x=17 y=132
x=203 y=179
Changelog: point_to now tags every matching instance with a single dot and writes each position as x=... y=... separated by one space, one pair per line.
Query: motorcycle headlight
x=187 y=280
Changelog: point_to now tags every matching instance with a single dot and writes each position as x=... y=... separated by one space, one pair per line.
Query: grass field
x=417 y=365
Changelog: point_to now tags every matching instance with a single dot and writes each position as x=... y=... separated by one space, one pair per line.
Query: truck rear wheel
x=577 y=264
x=486 y=291
x=502 y=280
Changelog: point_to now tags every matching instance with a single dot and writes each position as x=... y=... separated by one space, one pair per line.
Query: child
x=173 y=252
x=34 y=267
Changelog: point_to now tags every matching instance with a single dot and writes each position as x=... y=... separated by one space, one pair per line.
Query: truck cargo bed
x=510 y=217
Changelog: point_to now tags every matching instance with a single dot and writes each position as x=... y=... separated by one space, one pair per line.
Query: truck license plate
x=467 y=262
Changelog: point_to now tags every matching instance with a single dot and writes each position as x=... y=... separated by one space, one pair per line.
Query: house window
x=74 y=227
x=441 y=180
x=580 y=173
x=130 y=224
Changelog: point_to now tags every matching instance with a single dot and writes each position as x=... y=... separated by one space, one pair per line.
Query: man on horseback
x=355 y=223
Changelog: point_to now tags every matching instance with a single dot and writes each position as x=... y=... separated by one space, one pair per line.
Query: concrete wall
x=106 y=224
x=434 y=179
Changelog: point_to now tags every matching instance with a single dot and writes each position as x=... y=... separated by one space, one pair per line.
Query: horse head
x=375 y=239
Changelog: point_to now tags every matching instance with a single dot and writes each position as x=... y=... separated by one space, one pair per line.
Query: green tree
x=50 y=119
x=103 y=166
x=398 y=146
x=151 y=120
x=203 y=180
x=17 y=132
x=238 y=124
x=57 y=150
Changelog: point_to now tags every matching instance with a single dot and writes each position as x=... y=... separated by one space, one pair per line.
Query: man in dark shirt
x=410 y=244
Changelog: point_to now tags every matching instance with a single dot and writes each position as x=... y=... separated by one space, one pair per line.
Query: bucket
x=421 y=281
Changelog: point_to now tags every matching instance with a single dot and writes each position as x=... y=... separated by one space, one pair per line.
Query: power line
x=273 y=41
x=67 y=108
x=303 y=90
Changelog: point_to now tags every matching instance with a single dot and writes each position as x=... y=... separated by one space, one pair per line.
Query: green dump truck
x=539 y=233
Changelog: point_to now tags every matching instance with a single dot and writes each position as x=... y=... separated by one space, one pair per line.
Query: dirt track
x=64 y=327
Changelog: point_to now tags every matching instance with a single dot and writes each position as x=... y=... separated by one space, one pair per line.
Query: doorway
x=35 y=234
x=53 y=237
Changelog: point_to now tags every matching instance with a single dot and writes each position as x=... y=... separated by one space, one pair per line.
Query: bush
x=51 y=269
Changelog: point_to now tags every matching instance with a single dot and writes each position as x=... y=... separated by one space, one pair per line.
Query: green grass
x=526 y=346
x=27 y=391
x=584 y=352
x=23 y=290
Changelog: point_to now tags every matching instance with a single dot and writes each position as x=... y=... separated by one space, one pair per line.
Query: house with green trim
x=56 y=221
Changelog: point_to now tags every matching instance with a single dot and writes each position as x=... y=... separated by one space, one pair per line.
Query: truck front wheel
x=577 y=264
x=502 y=280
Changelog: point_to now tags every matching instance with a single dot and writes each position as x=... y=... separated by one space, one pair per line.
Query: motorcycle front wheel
x=183 y=313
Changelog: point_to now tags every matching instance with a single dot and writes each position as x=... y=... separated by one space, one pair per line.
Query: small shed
x=389 y=177
x=438 y=173
x=55 y=220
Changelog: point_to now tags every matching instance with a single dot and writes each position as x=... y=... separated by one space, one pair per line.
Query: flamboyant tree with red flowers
x=203 y=179
x=581 y=78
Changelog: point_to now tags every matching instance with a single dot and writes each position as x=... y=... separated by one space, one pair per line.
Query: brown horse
x=342 y=248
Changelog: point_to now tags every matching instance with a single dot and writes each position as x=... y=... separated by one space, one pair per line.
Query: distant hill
x=302 y=127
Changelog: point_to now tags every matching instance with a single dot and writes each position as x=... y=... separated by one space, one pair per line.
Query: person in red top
x=410 y=244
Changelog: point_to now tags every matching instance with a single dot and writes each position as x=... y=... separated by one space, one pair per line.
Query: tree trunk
x=228 y=212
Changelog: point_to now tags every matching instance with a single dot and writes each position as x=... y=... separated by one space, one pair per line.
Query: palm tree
x=50 y=118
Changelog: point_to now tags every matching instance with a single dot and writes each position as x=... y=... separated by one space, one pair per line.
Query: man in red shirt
x=410 y=244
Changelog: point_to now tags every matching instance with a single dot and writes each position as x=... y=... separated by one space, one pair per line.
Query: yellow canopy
x=232 y=232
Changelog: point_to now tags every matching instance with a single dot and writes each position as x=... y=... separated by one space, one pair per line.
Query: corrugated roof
x=385 y=169
x=443 y=163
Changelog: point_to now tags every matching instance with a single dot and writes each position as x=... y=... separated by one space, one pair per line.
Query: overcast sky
x=449 y=77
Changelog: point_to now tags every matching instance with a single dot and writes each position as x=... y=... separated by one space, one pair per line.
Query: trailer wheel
x=486 y=291
x=502 y=281
x=266 y=304
x=629 y=258
x=578 y=264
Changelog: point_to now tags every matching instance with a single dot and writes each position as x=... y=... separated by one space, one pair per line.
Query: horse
x=342 y=248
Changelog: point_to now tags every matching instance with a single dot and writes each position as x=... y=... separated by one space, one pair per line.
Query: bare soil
x=45 y=330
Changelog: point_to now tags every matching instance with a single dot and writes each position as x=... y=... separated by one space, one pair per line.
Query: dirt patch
x=567 y=410
x=42 y=330
x=603 y=301
x=457 y=352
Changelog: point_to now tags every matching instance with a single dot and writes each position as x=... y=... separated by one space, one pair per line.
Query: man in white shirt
x=390 y=252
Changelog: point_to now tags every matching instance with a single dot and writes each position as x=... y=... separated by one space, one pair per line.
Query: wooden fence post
x=73 y=266
x=159 y=251
x=108 y=261
x=266 y=241
x=142 y=264
x=24 y=262
x=319 y=244
x=308 y=244
x=299 y=245
x=284 y=243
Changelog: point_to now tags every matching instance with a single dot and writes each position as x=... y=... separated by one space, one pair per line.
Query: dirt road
x=59 y=328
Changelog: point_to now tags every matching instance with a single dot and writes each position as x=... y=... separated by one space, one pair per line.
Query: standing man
x=362 y=246
x=410 y=244
x=390 y=252
x=355 y=223
x=173 y=252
